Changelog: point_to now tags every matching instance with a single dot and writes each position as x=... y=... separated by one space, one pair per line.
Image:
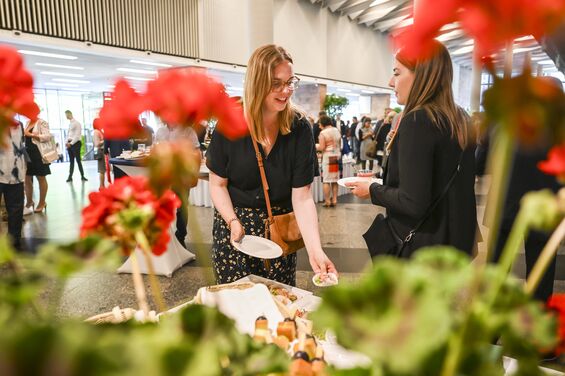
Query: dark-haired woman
x=433 y=138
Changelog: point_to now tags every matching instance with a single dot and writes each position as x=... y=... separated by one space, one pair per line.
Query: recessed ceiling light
x=138 y=78
x=63 y=74
x=368 y=92
x=45 y=54
x=150 y=63
x=463 y=50
x=546 y=62
x=60 y=84
x=59 y=66
x=527 y=37
x=71 y=80
x=142 y=71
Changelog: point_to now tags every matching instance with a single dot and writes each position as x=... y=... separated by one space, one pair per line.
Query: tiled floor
x=340 y=228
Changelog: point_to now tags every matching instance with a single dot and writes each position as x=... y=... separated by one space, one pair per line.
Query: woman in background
x=366 y=136
x=329 y=145
x=36 y=132
x=99 y=152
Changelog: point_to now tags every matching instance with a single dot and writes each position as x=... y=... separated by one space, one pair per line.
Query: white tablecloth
x=200 y=195
x=175 y=256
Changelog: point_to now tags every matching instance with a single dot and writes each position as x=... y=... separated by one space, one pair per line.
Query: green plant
x=334 y=104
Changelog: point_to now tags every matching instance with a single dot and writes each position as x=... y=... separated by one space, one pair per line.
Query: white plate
x=354 y=179
x=257 y=246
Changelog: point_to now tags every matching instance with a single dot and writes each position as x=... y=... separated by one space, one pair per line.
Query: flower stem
x=138 y=286
x=153 y=281
x=547 y=254
x=499 y=162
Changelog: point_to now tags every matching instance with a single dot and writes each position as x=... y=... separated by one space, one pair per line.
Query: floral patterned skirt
x=230 y=264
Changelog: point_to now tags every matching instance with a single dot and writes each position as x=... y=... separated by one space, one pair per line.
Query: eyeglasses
x=279 y=85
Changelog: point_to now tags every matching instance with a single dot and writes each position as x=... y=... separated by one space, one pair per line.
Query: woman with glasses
x=287 y=147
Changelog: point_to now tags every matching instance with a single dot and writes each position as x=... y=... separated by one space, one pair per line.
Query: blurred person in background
x=12 y=176
x=74 y=143
x=329 y=145
x=36 y=132
x=366 y=135
x=98 y=139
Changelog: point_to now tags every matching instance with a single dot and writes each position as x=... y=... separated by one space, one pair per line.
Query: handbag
x=281 y=229
x=371 y=150
x=383 y=239
x=99 y=153
x=48 y=150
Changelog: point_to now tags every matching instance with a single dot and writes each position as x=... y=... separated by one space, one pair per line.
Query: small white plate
x=354 y=179
x=257 y=246
x=331 y=280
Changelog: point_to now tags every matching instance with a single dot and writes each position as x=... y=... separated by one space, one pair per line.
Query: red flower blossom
x=555 y=164
x=187 y=98
x=231 y=121
x=491 y=23
x=119 y=116
x=129 y=206
x=16 y=89
x=557 y=303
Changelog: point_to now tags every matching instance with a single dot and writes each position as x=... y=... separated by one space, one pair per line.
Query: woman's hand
x=321 y=263
x=236 y=232
x=360 y=188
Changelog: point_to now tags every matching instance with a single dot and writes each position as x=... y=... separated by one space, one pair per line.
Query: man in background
x=74 y=143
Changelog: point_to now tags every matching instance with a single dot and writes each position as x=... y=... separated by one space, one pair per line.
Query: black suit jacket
x=422 y=160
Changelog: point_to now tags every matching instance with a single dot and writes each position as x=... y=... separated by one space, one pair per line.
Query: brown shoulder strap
x=263 y=178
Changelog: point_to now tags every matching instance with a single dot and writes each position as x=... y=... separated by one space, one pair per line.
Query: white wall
x=224 y=30
x=321 y=43
x=327 y=45
x=357 y=53
x=301 y=28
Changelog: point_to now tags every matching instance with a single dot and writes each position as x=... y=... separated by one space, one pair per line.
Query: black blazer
x=422 y=160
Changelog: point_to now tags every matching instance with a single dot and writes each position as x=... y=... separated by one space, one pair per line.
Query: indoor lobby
x=97 y=59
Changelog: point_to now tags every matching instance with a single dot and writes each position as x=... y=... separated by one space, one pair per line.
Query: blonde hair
x=432 y=92
x=258 y=84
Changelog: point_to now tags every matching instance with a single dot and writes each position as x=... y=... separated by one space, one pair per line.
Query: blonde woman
x=431 y=161
x=35 y=133
x=287 y=146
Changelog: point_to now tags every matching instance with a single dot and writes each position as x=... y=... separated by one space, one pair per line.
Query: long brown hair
x=258 y=84
x=432 y=92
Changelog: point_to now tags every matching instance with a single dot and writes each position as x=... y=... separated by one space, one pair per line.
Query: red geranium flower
x=129 y=206
x=185 y=98
x=555 y=164
x=16 y=90
x=557 y=303
x=491 y=23
x=119 y=116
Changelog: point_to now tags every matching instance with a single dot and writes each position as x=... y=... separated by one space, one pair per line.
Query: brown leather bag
x=281 y=229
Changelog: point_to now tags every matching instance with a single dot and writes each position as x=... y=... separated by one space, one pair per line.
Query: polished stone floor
x=340 y=227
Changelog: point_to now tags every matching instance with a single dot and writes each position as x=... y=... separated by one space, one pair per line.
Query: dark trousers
x=74 y=153
x=534 y=244
x=14 y=199
x=181 y=232
x=365 y=164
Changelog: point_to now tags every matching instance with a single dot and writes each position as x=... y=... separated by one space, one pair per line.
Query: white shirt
x=75 y=132
x=176 y=133
x=12 y=162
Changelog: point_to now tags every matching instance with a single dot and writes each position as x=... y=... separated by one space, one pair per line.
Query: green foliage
x=334 y=104
x=406 y=316
x=196 y=341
